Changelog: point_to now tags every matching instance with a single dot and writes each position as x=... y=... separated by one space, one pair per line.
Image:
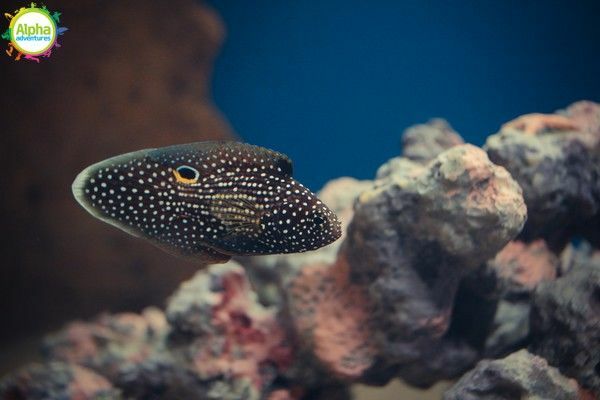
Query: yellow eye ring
x=186 y=174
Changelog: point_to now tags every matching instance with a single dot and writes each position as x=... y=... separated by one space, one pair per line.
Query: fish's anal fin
x=201 y=254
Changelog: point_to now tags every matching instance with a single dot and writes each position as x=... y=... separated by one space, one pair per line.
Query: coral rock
x=533 y=124
x=57 y=380
x=518 y=376
x=507 y=281
x=422 y=143
x=523 y=266
x=412 y=240
x=515 y=271
x=221 y=328
x=565 y=323
x=558 y=168
x=333 y=317
x=110 y=342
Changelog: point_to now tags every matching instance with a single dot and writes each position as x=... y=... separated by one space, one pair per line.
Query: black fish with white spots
x=208 y=200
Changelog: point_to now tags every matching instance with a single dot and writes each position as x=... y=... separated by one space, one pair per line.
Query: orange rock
x=526 y=264
x=333 y=315
x=533 y=124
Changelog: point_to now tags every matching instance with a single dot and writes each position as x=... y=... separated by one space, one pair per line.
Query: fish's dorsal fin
x=242 y=155
x=258 y=155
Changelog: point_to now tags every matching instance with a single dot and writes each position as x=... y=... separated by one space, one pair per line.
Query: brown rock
x=57 y=381
x=555 y=158
x=519 y=376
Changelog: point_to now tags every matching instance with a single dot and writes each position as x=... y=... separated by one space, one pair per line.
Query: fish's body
x=208 y=200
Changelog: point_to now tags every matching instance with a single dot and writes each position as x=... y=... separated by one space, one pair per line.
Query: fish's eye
x=186 y=174
x=318 y=220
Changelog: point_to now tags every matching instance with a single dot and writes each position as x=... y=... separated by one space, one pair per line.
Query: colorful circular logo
x=33 y=31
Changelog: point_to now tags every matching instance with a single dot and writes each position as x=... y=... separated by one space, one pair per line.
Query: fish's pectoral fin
x=239 y=216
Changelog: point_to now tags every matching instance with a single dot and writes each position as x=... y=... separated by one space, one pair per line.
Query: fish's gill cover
x=209 y=200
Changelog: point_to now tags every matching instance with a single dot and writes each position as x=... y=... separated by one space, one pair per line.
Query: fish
x=208 y=201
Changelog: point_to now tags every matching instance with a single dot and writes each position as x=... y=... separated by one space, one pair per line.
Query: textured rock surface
x=556 y=160
x=216 y=342
x=391 y=290
x=333 y=317
x=109 y=343
x=520 y=267
x=505 y=283
x=121 y=94
x=565 y=322
x=57 y=381
x=422 y=143
x=518 y=376
x=412 y=239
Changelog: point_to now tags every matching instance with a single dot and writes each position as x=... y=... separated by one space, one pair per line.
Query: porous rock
x=521 y=375
x=219 y=325
x=556 y=160
x=423 y=142
x=216 y=341
x=565 y=322
x=333 y=318
x=497 y=295
x=110 y=342
x=57 y=380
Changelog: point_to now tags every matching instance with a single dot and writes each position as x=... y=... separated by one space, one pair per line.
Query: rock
x=509 y=328
x=333 y=318
x=556 y=160
x=413 y=238
x=400 y=167
x=55 y=381
x=422 y=143
x=521 y=267
x=578 y=256
x=507 y=281
x=565 y=323
x=110 y=342
x=219 y=326
x=217 y=341
x=514 y=271
x=518 y=376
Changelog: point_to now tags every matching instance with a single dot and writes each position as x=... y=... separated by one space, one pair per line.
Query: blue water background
x=334 y=83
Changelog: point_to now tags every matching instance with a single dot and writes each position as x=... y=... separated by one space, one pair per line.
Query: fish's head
x=298 y=220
